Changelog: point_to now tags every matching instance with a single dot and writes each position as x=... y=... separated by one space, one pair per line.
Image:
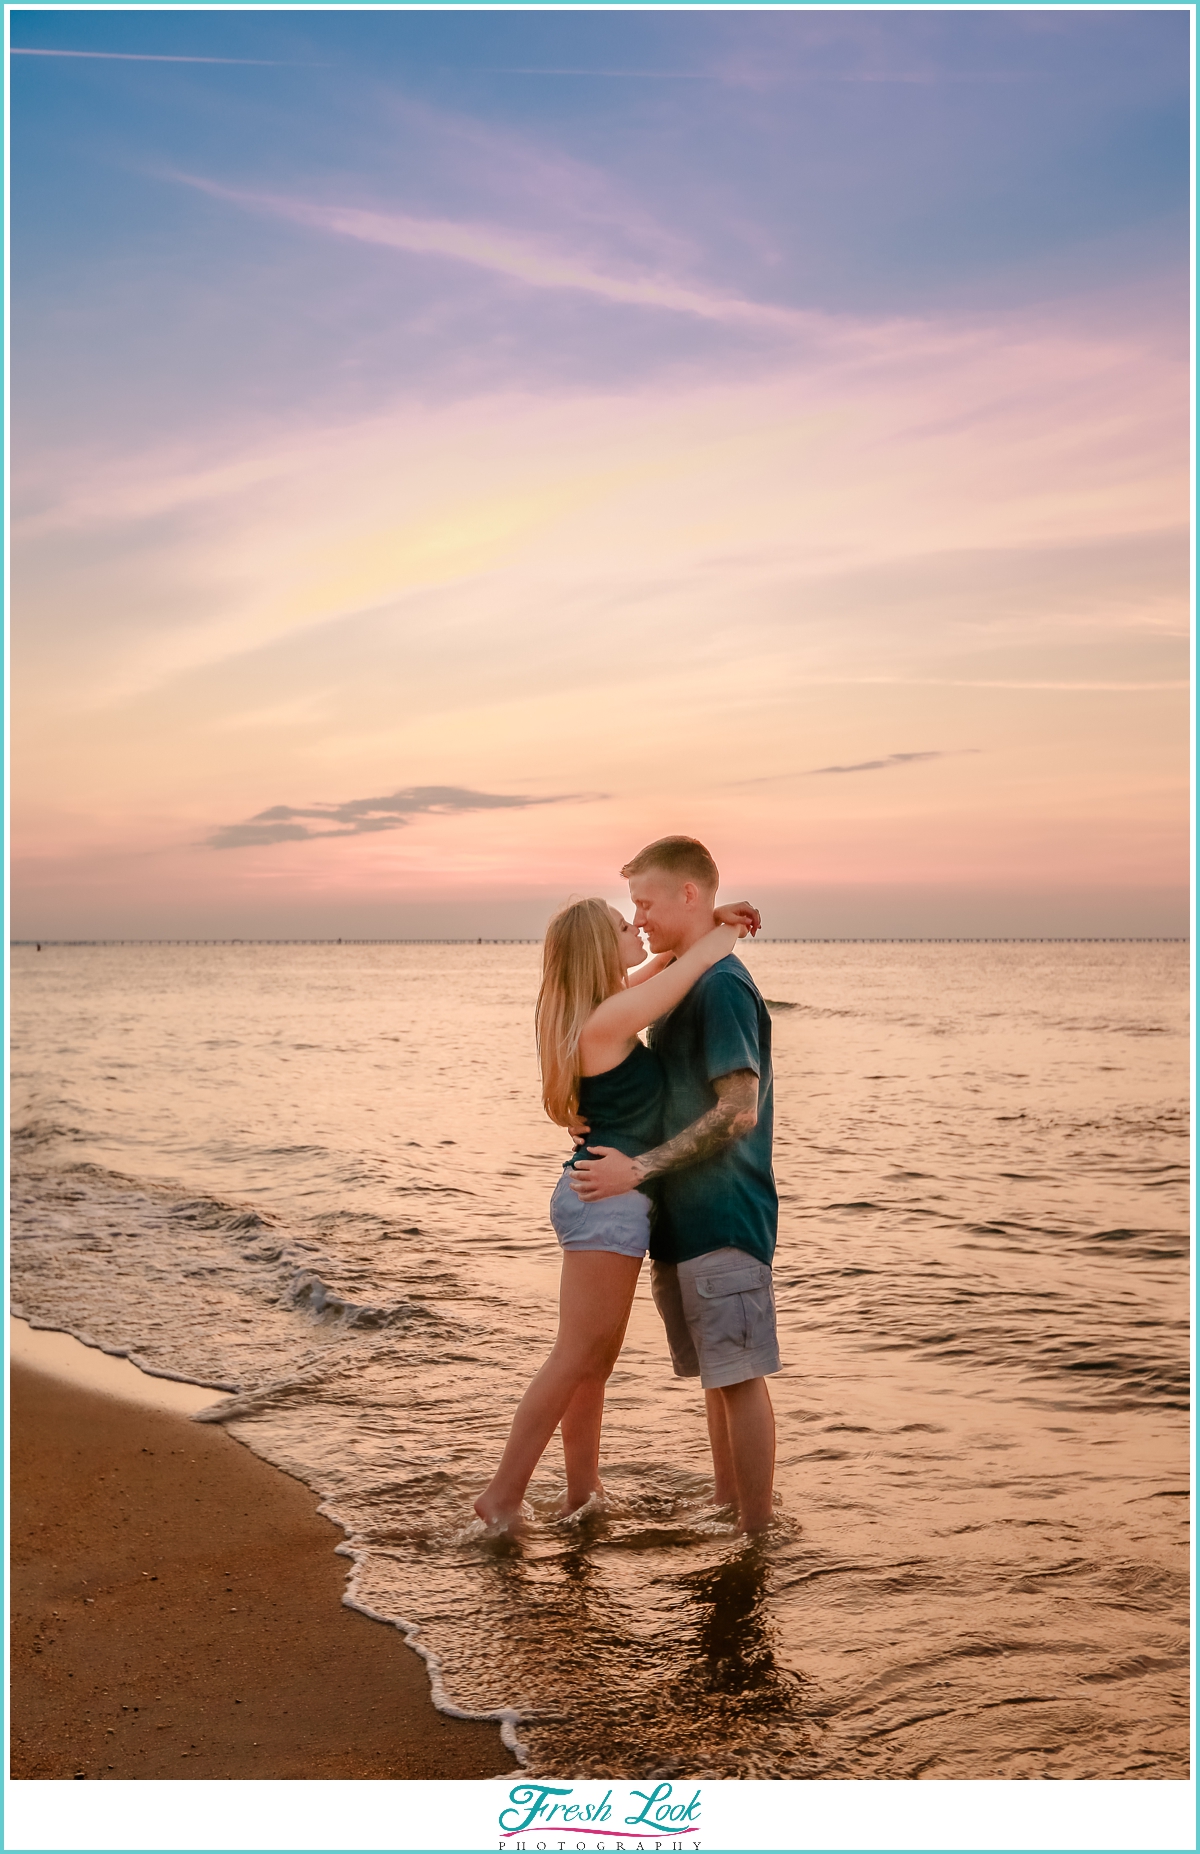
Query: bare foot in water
x=589 y=1503
x=500 y=1518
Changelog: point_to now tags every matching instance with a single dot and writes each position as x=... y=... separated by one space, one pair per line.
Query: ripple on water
x=978 y=1565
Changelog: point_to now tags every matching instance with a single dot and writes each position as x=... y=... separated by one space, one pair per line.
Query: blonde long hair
x=581 y=966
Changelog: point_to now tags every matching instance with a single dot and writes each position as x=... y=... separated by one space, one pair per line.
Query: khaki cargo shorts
x=719 y=1312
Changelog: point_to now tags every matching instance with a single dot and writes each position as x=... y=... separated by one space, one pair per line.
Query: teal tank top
x=623 y=1107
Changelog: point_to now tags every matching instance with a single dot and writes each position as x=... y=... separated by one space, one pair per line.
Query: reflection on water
x=319 y=1177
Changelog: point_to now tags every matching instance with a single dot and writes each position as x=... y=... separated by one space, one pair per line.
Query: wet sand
x=176 y=1612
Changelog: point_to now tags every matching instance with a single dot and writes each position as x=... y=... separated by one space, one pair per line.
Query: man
x=717 y=1210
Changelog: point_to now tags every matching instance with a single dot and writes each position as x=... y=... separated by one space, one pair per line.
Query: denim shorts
x=719 y=1312
x=619 y=1224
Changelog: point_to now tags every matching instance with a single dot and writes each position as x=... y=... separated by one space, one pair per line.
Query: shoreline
x=56 y=1353
x=177 y=1612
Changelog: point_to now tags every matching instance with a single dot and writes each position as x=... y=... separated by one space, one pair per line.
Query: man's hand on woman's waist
x=734 y=1115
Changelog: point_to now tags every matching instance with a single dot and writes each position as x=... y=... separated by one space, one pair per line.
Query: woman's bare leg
x=580 y=1426
x=594 y=1297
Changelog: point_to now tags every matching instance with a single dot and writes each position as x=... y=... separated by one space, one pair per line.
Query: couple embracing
x=677 y=1162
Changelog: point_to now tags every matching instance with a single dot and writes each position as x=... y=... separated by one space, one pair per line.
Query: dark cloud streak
x=359 y=817
x=885 y=764
x=889 y=759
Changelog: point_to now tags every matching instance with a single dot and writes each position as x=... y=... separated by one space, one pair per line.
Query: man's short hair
x=684 y=857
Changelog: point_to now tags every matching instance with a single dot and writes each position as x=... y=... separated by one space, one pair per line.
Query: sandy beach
x=176 y=1612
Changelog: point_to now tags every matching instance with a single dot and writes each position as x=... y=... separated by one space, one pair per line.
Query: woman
x=589 y=1010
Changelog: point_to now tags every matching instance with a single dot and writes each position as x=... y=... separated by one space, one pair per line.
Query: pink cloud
x=510 y=254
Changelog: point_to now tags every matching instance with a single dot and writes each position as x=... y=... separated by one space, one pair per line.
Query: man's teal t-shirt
x=730 y=1200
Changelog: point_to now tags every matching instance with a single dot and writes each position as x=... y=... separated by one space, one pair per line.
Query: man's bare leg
x=749 y=1441
x=725 y=1488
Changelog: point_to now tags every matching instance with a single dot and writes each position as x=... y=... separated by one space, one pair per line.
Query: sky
x=452 y=449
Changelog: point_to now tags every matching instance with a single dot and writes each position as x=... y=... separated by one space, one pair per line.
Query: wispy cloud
x=774 y=76
x=508 y=254
x=359 y=817
x=888 y=760
x=885 y=764
x=1074 y=687
x=574 y=70
x=37 y=51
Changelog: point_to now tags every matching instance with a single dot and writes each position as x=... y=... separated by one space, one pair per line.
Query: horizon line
x=894 y=939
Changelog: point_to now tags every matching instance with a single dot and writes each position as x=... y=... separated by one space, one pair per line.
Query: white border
x=785 y=1815
x=464 y=1816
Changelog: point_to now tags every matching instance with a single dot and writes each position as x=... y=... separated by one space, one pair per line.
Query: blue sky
x=706 y=360
x=862 y=163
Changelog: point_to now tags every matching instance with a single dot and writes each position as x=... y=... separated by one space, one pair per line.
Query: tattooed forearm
x=735 y=1113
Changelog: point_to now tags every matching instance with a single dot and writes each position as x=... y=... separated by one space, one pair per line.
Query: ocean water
x=316 y=1178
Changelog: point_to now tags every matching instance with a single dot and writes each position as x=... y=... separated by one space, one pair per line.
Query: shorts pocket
x=737 y=1308
x=567 y=1211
